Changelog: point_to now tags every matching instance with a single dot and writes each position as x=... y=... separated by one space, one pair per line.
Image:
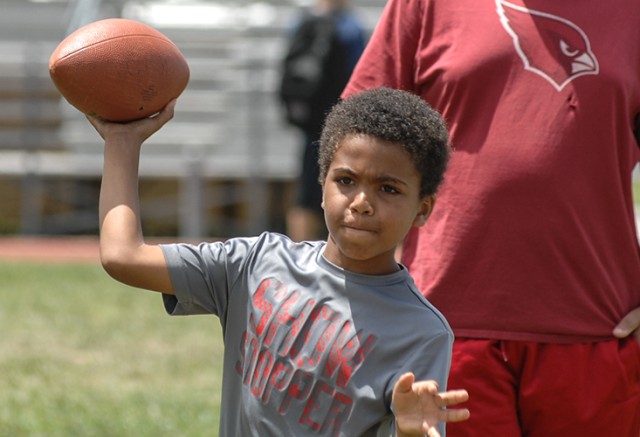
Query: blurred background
x=224 y=166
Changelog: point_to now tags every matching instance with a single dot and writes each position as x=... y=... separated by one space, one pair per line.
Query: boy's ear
x=426 y=206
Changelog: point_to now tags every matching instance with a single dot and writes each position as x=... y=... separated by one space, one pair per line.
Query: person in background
x=531 y=252
x=323 y=48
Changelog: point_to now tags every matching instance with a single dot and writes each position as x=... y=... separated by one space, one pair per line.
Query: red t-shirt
x=533 y=234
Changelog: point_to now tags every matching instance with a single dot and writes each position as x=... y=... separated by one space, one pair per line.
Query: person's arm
x=418 y=407
x=389 y=57
x=123 y=252
x=629 y=325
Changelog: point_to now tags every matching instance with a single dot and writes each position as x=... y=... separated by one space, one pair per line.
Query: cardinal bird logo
x=550 y=46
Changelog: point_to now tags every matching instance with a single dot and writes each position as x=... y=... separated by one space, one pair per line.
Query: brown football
x=118 y=69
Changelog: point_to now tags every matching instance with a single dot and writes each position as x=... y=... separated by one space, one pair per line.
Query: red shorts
x=536 y=389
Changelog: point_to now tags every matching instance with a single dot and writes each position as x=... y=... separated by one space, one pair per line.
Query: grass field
x=82 y=355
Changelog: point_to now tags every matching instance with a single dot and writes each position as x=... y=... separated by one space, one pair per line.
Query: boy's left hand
x=418 y=407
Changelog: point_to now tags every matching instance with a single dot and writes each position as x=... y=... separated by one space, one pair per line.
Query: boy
x=321 y=338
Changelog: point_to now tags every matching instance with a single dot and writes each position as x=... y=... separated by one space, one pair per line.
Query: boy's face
x=371 y=200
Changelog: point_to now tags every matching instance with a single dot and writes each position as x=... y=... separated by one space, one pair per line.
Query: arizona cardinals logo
x=549 y=46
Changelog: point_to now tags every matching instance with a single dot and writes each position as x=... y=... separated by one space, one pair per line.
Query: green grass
x=82 y=355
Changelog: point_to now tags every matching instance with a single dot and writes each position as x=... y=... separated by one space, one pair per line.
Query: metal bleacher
x=221 y=167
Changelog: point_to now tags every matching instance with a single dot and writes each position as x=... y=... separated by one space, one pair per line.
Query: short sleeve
x=390 y=56
x=203 y=275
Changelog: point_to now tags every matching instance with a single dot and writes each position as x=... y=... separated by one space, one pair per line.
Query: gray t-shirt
x=310 y=348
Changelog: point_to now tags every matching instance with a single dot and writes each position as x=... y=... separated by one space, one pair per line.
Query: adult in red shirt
x=531 y=251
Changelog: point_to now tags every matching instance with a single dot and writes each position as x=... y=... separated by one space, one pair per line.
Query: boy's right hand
x=134 y=132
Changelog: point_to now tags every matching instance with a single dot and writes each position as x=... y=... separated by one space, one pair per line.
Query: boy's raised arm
x=123 y=252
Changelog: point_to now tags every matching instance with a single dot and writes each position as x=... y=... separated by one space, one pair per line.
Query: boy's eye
x=389 y=189
x=344 y=180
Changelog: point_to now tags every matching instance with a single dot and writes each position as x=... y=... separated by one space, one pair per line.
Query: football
x=118 y=69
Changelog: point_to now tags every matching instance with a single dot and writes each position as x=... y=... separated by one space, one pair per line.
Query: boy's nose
x=361 y=203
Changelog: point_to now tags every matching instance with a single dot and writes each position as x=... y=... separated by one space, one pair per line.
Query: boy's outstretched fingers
x=418 y=406
x=454 y=397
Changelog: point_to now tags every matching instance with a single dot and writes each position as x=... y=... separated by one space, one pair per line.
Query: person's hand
x=629 y=325
x=134 y=132
x=418 y=407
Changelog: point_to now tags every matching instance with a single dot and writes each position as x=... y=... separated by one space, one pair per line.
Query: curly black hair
x=395 y=116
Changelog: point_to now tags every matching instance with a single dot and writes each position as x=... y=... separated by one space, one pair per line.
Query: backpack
x=311 y=77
